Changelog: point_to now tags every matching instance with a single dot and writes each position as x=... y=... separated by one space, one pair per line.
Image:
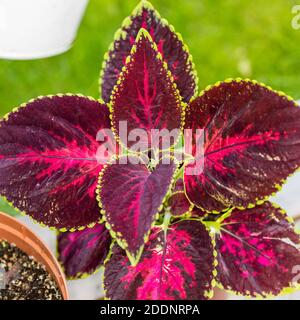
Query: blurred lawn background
x=227 y=38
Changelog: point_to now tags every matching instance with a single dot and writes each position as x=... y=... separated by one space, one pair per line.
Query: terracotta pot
x=15 y=232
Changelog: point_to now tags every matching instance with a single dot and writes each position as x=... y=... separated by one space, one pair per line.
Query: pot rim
x=13 y=231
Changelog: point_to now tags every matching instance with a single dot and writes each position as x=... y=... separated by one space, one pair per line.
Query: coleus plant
x=160 y=232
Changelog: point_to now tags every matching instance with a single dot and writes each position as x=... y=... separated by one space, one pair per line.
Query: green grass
x=5 y=207
x=227 y=38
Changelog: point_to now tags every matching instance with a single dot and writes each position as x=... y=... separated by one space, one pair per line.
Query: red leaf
x=131 y=197
x=82 y=252
x=146 y=98
x=258 y=252
x=178 y=203
x=48 y=164
x=179 y=185
x=251 y=144
x=198 y=213
x=175 y=266
x=169 y=44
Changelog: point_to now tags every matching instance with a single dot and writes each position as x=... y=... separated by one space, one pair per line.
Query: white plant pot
x=32 y=29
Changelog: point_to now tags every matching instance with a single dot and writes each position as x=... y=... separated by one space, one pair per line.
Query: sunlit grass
x=227 y=38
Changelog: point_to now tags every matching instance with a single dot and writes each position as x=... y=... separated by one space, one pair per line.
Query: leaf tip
x=143 y=4
x=143 y=34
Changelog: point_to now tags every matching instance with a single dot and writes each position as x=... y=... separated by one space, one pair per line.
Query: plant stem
x=166 y=224
x=166 y=221
x=179 y=173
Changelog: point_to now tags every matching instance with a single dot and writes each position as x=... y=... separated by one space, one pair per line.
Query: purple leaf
x=258 y=252
x=146 y=98
x=169 y=44
x=179 y=185
x=175 y=266
x=251 y=144
x=48 y=163
x=198 y=213
x=82 y=252
x=131 y=197
x=178 y=203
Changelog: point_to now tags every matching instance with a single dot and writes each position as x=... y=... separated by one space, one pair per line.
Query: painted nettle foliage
x=159 y=231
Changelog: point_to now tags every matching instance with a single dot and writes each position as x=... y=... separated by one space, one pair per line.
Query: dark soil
x=23 y=278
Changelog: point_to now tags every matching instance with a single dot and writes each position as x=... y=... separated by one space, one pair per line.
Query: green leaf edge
x=145 y=33
x=79 y=275
x=285 y=291
x=15 y=110
x=120 y=34
x=133 y=258
x=108 y=257
x=208 y=293
x=189 y=211
x=283 y=181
